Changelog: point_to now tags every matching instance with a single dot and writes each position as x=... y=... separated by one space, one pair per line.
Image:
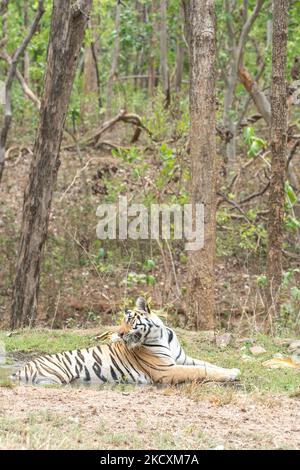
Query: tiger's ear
x=142 y=306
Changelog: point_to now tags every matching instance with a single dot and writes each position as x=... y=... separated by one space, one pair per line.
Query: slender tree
x=91 y=75
x=180 y=50
x=164 y=51
x=26 y=65
x=153 y=46
x=279 y=151
x=201 y=31
x=114 y=62
x=236 y=51
x=68 y=24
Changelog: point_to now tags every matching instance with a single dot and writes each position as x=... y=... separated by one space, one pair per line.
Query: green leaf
x=151 y=280
x=291 y=196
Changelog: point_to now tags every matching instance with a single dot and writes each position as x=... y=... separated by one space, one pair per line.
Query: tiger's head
x=140 y=326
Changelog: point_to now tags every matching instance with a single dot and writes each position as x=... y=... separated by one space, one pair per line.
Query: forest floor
x=262 y=411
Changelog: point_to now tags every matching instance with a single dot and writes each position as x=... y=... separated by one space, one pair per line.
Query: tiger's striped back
x=113 y=363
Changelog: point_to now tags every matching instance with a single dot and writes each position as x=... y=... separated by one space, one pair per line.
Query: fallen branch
x=20 y=155
x=122 y=116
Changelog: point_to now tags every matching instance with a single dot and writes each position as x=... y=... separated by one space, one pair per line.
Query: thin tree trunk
x=114 y=63
x=67 y=29
x=91 y=76
x=164 y=52
x=180 y=50
x=279 y=152
x=202 y=34
x=26 y=53
x=153 y=46
x=236 y=59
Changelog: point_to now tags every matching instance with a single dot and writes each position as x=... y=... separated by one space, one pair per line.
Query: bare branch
x=254 y=195
x=27 y=90
x=260 y=100
x=245 y=32
x=9 y=80
x=24 y=44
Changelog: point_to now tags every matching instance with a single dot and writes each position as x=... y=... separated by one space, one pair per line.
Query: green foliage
x=133 y=279
x=255 y=144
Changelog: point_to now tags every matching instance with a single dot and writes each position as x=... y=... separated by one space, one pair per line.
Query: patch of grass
x=6 y=382
x=44 y=341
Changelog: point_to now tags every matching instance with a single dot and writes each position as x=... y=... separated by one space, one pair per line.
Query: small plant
x=141 y=279
x=255 y=144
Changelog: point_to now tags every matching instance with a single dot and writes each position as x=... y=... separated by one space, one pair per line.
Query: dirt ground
x=143 y=418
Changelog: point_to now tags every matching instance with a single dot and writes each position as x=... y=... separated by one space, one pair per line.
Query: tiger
x=145 y=352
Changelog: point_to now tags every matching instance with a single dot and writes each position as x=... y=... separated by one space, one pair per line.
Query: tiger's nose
x=121 y=334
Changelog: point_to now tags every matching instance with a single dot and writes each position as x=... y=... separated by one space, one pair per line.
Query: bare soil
x=144 y=418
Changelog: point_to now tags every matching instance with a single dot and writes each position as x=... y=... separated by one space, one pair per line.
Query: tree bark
x=180 y=50
x=153 y=46
x=202 y=34
x=26 y=53
x=114 y=63
x=279 y=153
x=164 y=52
x=91 y=76
x=68 y=24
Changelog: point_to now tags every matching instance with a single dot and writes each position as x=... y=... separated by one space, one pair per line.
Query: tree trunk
x=67 y=29
x=153 y=46
x=202 y=34
x=164 y=52
x=114 y=63
x=26 y=53
x=180 y=49
x=279 y=152
x=91 y=76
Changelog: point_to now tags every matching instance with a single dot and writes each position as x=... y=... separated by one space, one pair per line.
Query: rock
x=246 y=358
x=295 y=346
x=257 y=350
x=222 y=341
x=219 y=447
